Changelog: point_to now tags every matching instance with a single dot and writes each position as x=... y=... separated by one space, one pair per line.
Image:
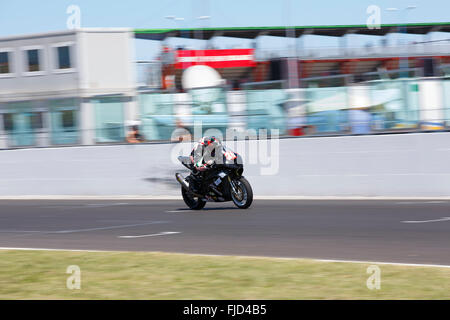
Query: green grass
x=139 y=275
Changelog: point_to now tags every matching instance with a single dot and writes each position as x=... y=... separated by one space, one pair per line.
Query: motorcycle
x=223 y=182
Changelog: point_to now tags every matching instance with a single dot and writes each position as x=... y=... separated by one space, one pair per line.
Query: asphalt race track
x=376 y=230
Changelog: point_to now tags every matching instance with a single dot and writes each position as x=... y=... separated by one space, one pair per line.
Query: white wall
x=87 y=123
x=107 y=62
x=431 y=101
x=401 y=165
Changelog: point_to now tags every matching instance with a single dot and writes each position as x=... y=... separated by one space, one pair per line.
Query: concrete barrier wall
x=403 y=165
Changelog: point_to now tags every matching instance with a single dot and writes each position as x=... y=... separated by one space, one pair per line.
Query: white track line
x=169 y=197
x=101 y=205
x=422 y=202
x=150 y=235
x=86 y=206
x=88 y=197
x=244 y=257
x=50 y=249
x=425 y=221
x=86 y=230
x=111 y=227
x=387 y=263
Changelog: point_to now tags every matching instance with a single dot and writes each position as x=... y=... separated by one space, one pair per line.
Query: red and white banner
x=228 y=58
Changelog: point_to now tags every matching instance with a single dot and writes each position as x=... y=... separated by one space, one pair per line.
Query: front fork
x=233 y=186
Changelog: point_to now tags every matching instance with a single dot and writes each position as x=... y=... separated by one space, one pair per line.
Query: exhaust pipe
x=185 y=184
x=182 y=181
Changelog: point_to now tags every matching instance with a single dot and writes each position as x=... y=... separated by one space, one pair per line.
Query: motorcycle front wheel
x=242 y=196
x=194 y=203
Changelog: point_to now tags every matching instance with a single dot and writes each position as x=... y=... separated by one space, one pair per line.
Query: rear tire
x=191 y=201
x=244 y=199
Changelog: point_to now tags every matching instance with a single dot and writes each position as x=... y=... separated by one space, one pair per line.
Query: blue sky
x=21 y=17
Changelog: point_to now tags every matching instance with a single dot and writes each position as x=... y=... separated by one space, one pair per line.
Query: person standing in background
x=134 y=136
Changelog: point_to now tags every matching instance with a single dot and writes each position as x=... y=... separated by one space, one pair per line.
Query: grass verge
x=144 y=275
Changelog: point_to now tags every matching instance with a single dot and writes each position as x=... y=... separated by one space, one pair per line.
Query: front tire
x=192 y=202
x=244 y=196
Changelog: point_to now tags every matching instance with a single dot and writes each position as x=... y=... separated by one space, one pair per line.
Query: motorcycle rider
x=203 y=157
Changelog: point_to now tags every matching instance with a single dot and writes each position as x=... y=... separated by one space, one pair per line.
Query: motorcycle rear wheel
x=191 y=201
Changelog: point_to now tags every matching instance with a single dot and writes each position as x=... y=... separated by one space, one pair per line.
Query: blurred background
x=83 y=74
x=97 y=95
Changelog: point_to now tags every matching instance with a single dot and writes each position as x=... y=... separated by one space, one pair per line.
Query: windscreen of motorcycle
x=229 y=155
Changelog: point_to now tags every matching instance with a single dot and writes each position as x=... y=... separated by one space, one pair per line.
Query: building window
x=8 y=123
x=64 y=57
x=64 y=121
x=68 y=118
x=109 y=122
x=37 y=122
x=4 y=62
x=33 y=60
